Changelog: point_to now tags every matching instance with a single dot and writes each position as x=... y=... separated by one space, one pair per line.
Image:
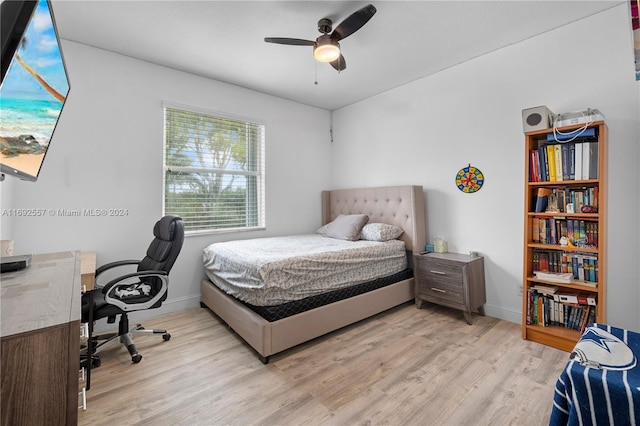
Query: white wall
x=107 y=153
x=424 y=132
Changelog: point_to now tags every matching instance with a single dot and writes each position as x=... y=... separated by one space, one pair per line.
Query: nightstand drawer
x=441 y=283
x=442 y=271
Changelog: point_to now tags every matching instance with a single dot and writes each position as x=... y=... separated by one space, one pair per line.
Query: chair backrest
x=165 y=247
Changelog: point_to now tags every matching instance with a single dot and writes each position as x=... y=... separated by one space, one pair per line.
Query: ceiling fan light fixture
x=326 y=48
x=326 y=51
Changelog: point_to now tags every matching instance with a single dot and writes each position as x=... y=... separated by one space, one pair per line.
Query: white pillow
x=346 y=227
x=380 y=232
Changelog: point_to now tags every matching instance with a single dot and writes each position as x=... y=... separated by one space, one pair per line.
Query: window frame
x=259 y=173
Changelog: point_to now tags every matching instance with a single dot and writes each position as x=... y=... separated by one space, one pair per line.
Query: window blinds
x=213 y=171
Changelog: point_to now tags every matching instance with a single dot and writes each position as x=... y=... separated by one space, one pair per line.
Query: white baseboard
x=503 y=313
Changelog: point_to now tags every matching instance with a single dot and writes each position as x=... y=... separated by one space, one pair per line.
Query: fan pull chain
x=315 y=67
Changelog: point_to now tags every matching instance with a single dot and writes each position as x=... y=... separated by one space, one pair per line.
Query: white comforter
x=276 y=270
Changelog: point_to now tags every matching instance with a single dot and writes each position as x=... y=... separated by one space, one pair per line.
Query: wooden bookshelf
x=552 y=329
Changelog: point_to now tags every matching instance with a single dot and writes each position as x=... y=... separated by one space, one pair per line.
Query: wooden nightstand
x=450 y=279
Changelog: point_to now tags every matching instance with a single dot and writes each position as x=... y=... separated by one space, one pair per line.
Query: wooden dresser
x=40 y=325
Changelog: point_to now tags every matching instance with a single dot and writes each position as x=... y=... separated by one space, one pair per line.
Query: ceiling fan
x=326 y=48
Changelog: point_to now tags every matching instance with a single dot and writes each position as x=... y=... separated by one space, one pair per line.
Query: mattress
x=278 y=312
x=277 y=270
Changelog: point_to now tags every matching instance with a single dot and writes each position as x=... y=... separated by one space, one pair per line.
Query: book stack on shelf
x=565 y=233
x=561 y=158
x=547 y=307
x=582 y=267
x=578 y=232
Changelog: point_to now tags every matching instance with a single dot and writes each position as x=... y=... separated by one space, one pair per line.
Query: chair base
x=127 y=340
x=125 y=336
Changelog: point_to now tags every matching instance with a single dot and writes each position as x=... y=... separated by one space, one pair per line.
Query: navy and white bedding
x=277 y=270
x=601 y=382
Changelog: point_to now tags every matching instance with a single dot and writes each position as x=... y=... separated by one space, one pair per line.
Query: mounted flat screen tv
x=34 y=86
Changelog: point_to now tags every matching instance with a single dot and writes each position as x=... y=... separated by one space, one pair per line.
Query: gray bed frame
x=397 y=205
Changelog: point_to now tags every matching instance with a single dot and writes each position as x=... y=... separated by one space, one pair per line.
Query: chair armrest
x=115 y=264
x=114 y=284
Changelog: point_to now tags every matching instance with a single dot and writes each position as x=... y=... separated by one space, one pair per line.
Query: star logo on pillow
x=592 y=336
x=600 y=349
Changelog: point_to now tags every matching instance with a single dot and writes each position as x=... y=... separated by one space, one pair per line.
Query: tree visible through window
x=213 y=171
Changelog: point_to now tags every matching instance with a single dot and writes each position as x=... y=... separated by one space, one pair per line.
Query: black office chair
x=144 y=289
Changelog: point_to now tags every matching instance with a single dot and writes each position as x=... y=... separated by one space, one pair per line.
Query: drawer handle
x=83 y=394
x=439 y=290
x=438 y=272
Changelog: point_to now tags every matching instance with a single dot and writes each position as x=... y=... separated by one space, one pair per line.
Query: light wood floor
x=402 y=367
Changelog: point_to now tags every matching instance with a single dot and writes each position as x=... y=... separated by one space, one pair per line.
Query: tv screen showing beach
x=32 y=95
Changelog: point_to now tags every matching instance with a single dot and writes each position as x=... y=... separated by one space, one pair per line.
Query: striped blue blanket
x=601 y=382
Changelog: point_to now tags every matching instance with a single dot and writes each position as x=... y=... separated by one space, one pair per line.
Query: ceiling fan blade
x=339 y=64
x=290 y=41
x=353 y=22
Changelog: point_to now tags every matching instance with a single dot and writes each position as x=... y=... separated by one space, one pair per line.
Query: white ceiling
x=224 y=40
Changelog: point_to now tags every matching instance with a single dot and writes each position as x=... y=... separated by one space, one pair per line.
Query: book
x=577 y=161
x=563 y=228
x=551 y=161
x=529 y=296
x=590 y=273
x=534 y=167
x=565 y=162
x=575 y=135
x=585 y=160
x=571 y=160
x=543 y=164
x=545 y=289
x=578 y=200
x=561 y=197
x=542 y=199
x=570 y=230
x=543 y=231
x=577 y=298
x=554 y=276
x=557 y=152
x=593 y=160
x=535 y=229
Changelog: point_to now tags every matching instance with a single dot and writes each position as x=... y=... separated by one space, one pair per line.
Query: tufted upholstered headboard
x=402 y=206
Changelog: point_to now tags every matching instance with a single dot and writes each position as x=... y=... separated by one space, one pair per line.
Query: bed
x=268 y=333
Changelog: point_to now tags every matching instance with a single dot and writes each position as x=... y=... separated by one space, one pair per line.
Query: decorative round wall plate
x=469 y=179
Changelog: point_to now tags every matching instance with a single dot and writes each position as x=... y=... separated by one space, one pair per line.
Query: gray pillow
x=346 y=227
x=380 y=232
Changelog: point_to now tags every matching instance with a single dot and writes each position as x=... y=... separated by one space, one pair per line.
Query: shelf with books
x=557 y=316
x=550 y=306
x=564 y=227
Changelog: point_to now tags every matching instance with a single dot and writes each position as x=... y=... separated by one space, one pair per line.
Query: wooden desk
x=88 y=269
x=40 y=323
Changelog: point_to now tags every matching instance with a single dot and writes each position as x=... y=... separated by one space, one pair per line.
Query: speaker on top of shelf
x=537 y=118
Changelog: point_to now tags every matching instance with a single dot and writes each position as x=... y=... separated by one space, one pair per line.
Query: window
x=213 y=171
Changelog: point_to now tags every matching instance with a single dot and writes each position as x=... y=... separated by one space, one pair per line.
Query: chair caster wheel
x=95 y=362
x=136 y=358
x=166 y=337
